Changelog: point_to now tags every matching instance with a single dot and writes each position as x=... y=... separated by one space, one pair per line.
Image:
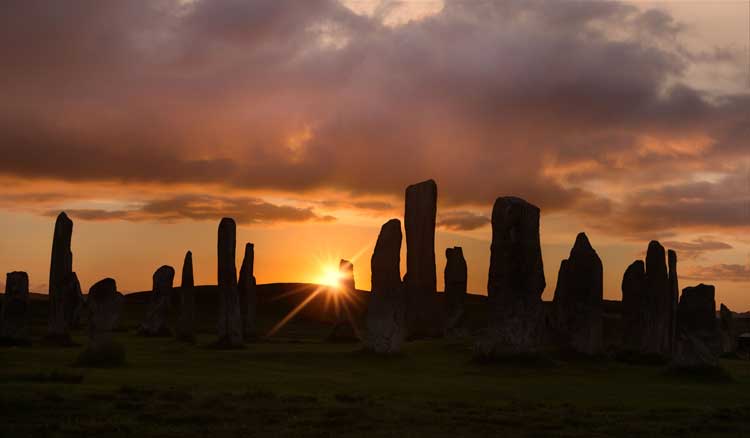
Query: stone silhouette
x=65 y=297
x=248 y=293
x=229 y=326
x=156 y=323
x=455 y=276
x=515 y=282
x=697 y=343
x=578 y=299
x=649 y=303
x=186 y=321
x=726 y=330
x=15 y=319
x=104 y=305
x=346 y=276
x=673 y=297
x=386 y=329
x=420 y=281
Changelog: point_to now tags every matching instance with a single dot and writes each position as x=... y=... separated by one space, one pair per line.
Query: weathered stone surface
x=346 y=276
x=104 y=305
x=420 y=281
x=516 y=280
x=726 y=329
x=15 y=327
x=229 y=326
x=63 y=287
x=650 y=303
x=578 y=299
x=455 y=276
x=248 y=293
x=186 y=321
x=156 y=323
x=386 y=329
x=697 y=342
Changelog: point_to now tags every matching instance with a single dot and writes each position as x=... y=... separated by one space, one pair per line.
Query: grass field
x=297 y=385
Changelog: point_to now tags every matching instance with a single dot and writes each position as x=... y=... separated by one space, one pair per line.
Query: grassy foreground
x=297 y=387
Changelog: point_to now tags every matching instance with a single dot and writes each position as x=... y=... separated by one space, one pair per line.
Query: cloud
x=566 y=107
x=244 y=210
x=696 y=247
x=461 y=221
x=719 y=272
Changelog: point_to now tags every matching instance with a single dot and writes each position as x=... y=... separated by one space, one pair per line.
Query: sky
x=305 y=121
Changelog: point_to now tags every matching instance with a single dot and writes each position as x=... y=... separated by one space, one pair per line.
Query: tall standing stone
x=104 y=305
x=63 y=283
x=516 y=280
x=650 y=303
x=697 y=342
x=14 y=320
x=248 y=293
x=346 y=276
x=420 y=281
x=186 y=321
x=156 y=323
x=578 y=298
x=386 y=329
x=455 y=276
x=230 y=321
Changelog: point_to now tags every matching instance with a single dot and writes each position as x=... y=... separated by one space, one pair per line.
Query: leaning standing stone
x=186 y=322
x=386 y=329
x=230 y=320
x=248 y=293
x=516 y=280
x=156 y=323
x=14 y=319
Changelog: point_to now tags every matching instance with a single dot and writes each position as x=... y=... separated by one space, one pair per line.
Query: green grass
x=297 y=387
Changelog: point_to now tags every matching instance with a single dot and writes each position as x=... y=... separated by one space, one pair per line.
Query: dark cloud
x=696 y=247
x=461 y=221
x=719 y=272
x=489 y=98
x=248 y=211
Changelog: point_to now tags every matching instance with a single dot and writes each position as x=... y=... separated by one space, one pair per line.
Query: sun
x=330 y=277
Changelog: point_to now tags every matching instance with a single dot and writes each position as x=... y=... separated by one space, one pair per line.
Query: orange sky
x=147 y=122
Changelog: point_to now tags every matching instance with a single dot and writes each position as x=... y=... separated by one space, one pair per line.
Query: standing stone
x=578 y=298
x=726 y=328
x=186 y=322
x=248 y=293
x=386 y=329
x=155 y=323
x=633 y=306
x=516 y=280
x=697 y=342
x=15 y=328
x=650 y=303
x=455 y=277
x=104 y=305
x=230 y=321
x=63 y=283
x=420 y=281
x=346 y=276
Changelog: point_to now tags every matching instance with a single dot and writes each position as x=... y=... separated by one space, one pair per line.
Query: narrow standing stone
x=578 y=298
x=516 y=280
x=248 y=293
x=346 y=276
x=230 y=320
x=156 y=323
x=671 y=301
x=62 y=283
x=186 y=323
x=726 y=328
x=15 y=327
x=420 y=281
x=455 y=276
x=386 y=329
x=634 y=304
